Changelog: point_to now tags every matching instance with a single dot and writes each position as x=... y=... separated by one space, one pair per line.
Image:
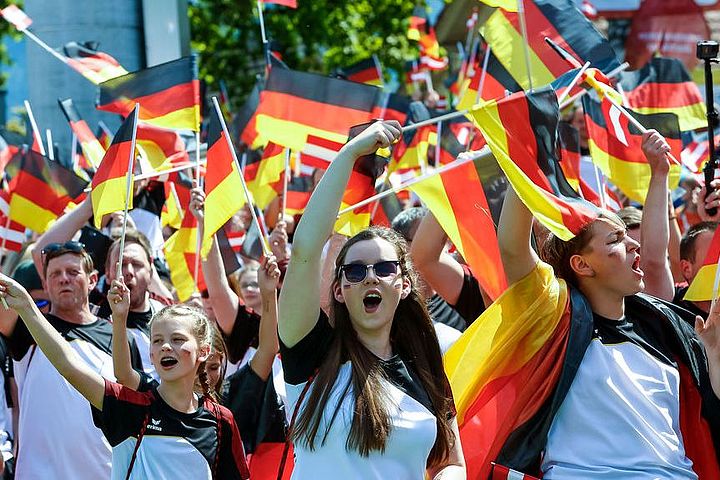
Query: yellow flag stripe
x=109 y=197
x=690 y=117
x=30 y=214
x=220 y=204
x=432 y=192
x=186 y=118
x=291 y=134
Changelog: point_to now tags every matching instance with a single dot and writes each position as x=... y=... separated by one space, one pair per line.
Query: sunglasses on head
x=356 y=272
x=71 y=246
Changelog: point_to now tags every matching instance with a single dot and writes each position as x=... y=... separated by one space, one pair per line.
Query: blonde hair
x=234 y=278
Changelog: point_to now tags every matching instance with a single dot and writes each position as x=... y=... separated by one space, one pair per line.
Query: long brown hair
x=412 y=336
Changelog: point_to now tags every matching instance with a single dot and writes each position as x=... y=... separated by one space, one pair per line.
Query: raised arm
x=514 y=231
x=300 y=295
x=224 y=300
x=119 y=301
x=655 y=229
x=68 y=363
x=62 y=230
x=268 y=346
x=444 y=274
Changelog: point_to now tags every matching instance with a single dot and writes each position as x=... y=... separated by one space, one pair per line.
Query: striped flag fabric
x=177 y=197
x=91 y=63
x=695 y=155
x=396 y=108
x=615 y=145
x=417 y=23
x=109 y=185
x=496 y=81
x=285 y=3
x=457 y=200
x=12 y=234
x=223 y=185
x=318 y=152
x=160 y=148
x=181 y=256
x=296 y=104
x=299 y=190
x=366 y=71
x=663 y=85
x=40 y=190
x=521 y=131
x=570 y=162
x=245 y=121
x=91 y=148
x=701 y=288
x=235 y=239
x=559 y=20
x=262 y=172
x=168 y=94
x=104 y=135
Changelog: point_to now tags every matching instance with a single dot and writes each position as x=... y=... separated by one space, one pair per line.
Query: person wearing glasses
x=366 y=388
x=56 y=434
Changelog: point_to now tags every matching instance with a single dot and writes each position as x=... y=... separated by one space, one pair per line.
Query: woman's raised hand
x=378 y=135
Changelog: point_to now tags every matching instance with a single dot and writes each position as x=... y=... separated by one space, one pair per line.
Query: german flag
x=161 y=148
x=12 y=234
x=109 y=185
x=261 y=172
x=503 y=367
x=177 y=196
x=366 y=71
x=104 y=135
x=96 y=66
x=562 y=22
x=664 y=86
x=181 y=255
x=299 y=190
x=396 y=108
x=412 y=150
x=701 y=288
x=168 y=94
x=496 y=82
x=457 y=199
x=695 y=155
x=244 y=123
x=318 y=153
x=521 y=131
x=40 y=189
x=295 y=104
x=223 y=185
x=570 y=162
x=91 y=147
x=615 y=145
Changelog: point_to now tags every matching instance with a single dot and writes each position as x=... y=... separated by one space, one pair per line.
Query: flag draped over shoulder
x=223 y=185
x=39 y=190
x=90 y=145
x=701 y=288
x=502 y=368
x=296 y=104
x=109 y=185
x=559 y=20
x=457 y=200
x=168 y=94
x=615 y=145
x=521 y=130
x=664 y=86
x=91 y=63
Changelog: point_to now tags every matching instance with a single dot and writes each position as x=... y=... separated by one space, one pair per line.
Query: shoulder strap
x=146 y=420
x=286 y=449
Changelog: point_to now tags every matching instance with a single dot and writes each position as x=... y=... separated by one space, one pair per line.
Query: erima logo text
x=154 y=425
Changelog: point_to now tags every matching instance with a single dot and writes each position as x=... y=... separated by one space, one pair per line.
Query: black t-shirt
x=244 y=333
x=687 y=305
x=302 y=360
x=98 y=333
x=628 y=329
x=468 y=307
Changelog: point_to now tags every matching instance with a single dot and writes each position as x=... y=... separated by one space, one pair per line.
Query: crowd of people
x=324 y=359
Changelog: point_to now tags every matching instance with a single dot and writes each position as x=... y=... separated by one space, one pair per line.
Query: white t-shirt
x=620 y=418
x=414 y=425
x=57 y=438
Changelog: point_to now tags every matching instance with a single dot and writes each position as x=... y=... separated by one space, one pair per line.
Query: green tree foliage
x=319 y=36
x=7 y=29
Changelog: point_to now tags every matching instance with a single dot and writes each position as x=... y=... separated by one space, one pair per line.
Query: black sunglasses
x=356 y=272
x=71 y=246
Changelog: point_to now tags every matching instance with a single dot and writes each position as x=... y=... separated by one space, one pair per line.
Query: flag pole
x=573 y=83
x=286 y=180
x=174 y=193
x=5 y=234
x=613 y=73
x=199 y=183
x=526 y=46
x=434 y=120
x=600 y=185
x=437 y=144
x=378 y=67
x=248 y=198
x=33 y=125
x=128 y=190
x=161 y=173
x=44 y=46
x=483 y=154
x=50 y=149
x=266 y=45
x=73 y=151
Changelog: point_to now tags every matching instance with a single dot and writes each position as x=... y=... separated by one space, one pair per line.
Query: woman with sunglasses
x=365 y=383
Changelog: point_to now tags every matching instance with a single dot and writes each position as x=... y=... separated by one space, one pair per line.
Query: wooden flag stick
x=286 y=180
x=486 y=60
x=128 y=190
x=266 y=242
x=262 y=22
x=573 y=83
x=434 y=120
x=33 y=124
x=44 y=46
x=483 y=154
